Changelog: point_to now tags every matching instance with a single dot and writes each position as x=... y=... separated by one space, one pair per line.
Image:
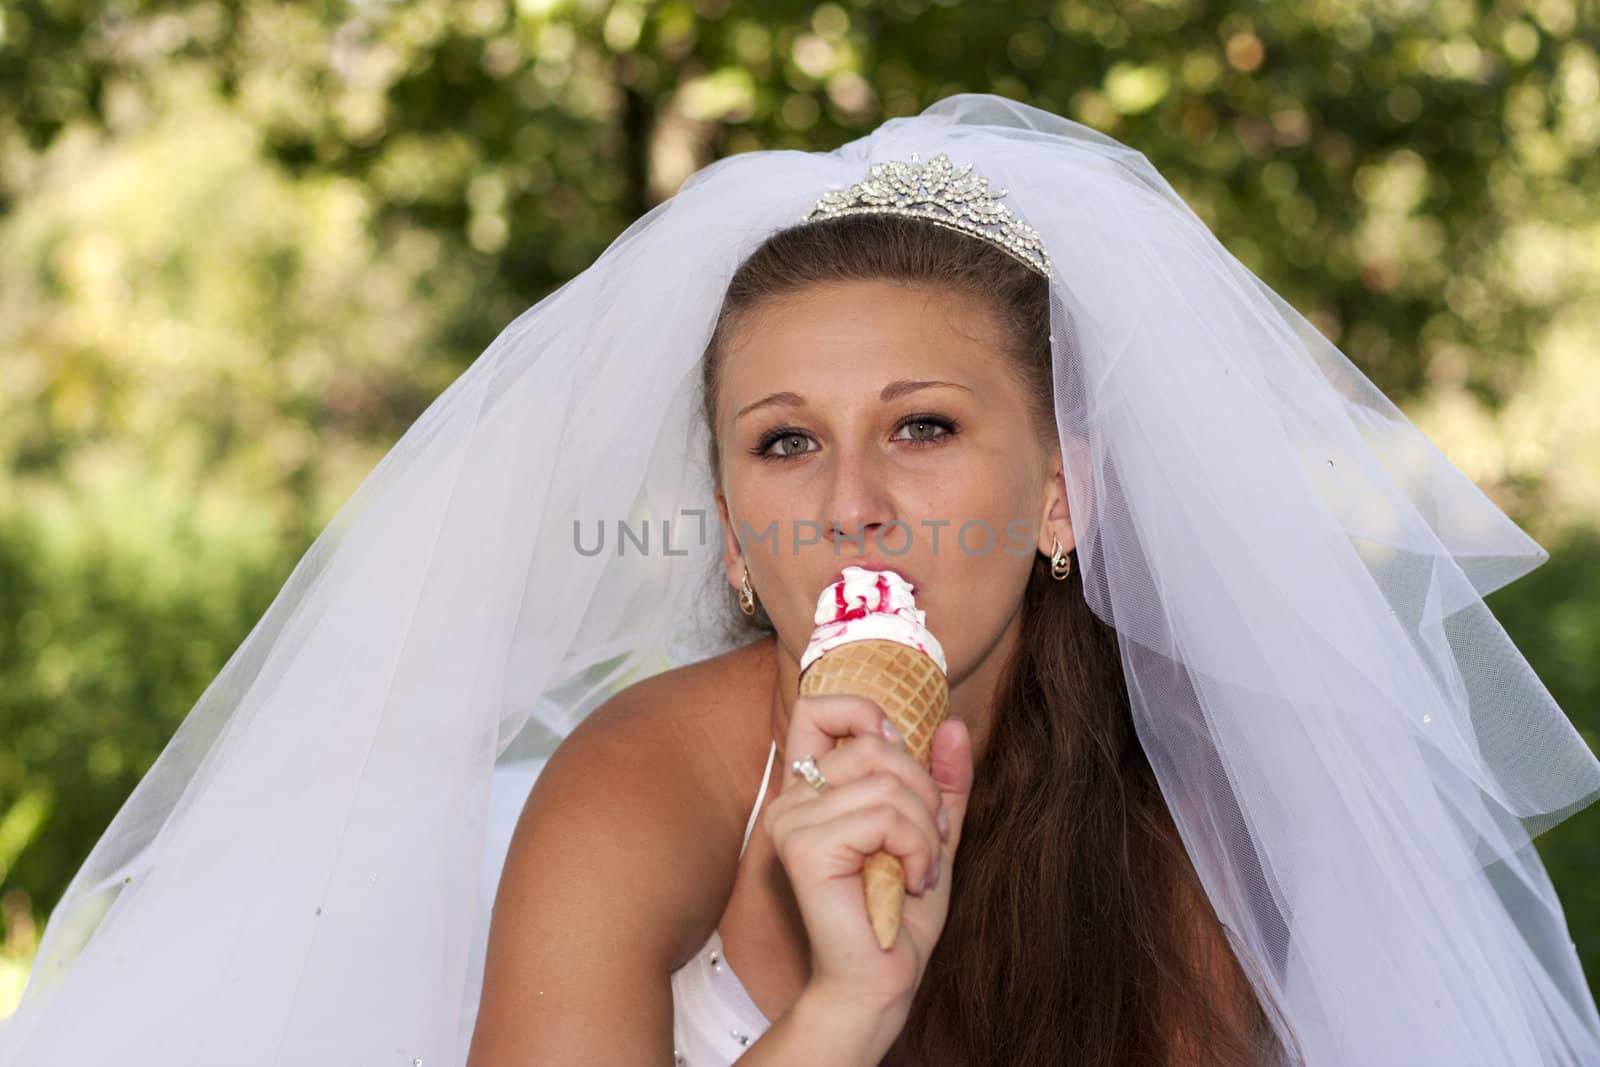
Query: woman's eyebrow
x=893 y=390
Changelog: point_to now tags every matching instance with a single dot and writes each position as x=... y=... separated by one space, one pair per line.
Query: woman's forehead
x=869 y=330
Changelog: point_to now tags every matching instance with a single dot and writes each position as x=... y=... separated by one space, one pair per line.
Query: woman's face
x=948 y=484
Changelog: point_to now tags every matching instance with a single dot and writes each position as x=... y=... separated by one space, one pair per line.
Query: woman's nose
x=858 y=502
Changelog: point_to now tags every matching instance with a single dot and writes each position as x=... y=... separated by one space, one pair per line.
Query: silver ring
x=807 y=769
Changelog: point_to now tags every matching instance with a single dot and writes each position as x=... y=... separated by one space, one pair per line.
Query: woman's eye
x=919 y=428
x=783 y=440
x=923 y=430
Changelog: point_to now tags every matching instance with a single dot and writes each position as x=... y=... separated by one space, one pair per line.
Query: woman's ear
x=732 y=555
x=1055 y=523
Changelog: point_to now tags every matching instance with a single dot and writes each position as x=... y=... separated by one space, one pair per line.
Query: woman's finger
x=818 y=723
x=876 y=755
x=881 y=793
x=877 y=827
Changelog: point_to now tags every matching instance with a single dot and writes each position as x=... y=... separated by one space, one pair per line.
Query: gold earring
x=747 y=596
x=1059 y=560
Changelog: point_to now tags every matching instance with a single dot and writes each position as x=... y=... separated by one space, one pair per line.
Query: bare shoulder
x=711 y=717
x=714 y=712
x=678 y=745
x=619 y=866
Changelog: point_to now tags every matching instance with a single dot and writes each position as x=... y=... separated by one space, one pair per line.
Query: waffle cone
x=912 y=691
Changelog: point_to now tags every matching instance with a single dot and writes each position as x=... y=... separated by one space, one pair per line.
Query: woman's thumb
x=950 y=765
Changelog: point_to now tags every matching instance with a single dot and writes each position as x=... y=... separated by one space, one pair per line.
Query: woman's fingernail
x=890 y=732
x=944 y=824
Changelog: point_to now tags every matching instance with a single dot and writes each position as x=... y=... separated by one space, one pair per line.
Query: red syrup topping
x=844 y=613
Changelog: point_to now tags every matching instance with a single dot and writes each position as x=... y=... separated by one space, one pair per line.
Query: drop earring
x=1060 y=562
x=747 y=595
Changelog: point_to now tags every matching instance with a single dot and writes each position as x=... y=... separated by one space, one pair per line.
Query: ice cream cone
x=870 y=641
x=911 y=689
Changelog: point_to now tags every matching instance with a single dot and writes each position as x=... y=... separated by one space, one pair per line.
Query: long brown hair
x=1078 y=931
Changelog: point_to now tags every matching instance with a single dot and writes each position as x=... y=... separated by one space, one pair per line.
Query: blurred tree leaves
x=174 y=289
x=244 y=243
x=1366 y=158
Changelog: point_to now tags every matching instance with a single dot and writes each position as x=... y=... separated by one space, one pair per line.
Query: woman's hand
x=878 y=798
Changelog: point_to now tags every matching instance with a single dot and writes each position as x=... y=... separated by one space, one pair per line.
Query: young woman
x=1070 y=891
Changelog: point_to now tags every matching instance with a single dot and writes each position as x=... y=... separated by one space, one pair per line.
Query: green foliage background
x=243 y=244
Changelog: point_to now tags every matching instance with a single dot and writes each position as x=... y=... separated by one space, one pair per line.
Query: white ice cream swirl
x=867 y=604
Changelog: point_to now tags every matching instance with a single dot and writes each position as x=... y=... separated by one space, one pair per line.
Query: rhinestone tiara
x=938 y=192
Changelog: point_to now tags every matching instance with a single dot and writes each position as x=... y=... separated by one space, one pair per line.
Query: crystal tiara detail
x=938 y=192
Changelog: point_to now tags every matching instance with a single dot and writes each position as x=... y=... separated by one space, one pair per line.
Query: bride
x=919 y=363
x=919 y=359
x=1239 y=767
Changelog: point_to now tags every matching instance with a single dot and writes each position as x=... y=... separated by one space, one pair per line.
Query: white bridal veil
x=1355 y=753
